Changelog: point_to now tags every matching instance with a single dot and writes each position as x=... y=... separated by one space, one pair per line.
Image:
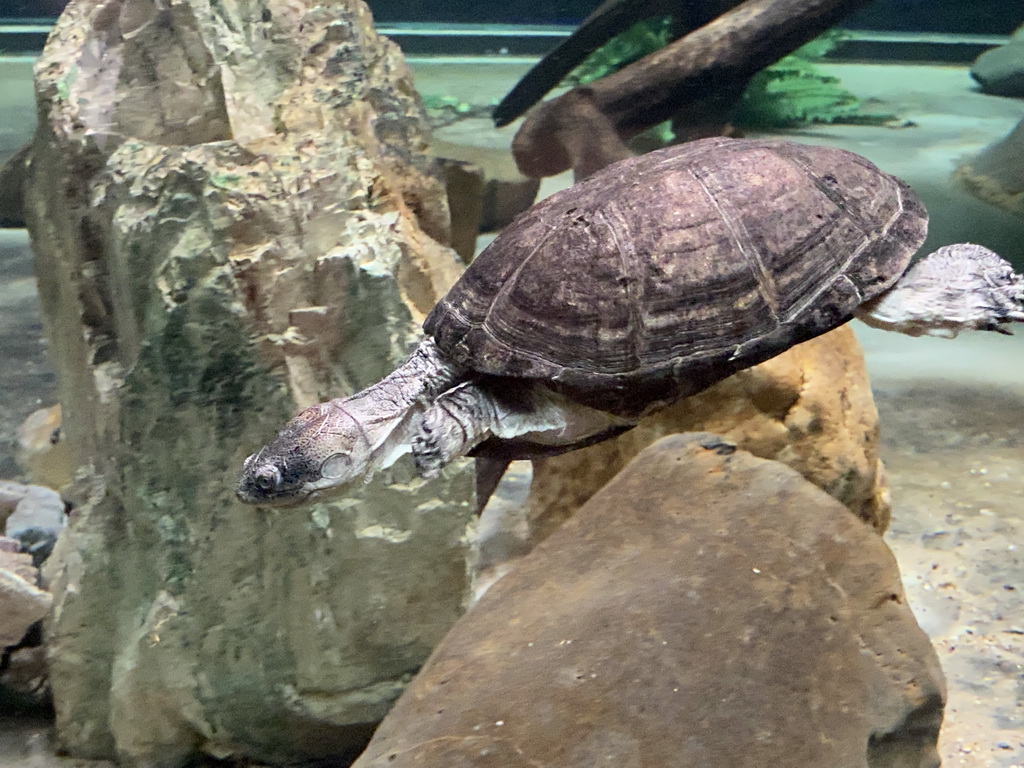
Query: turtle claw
x=426 y=452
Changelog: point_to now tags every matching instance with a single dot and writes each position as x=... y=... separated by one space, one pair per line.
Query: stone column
x=233 y=217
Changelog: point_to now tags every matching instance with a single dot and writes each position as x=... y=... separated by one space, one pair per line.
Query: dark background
x=954 y=16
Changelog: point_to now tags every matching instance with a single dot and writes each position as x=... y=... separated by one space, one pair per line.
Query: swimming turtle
x=648 y=282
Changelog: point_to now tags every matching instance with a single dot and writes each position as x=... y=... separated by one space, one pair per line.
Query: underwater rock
x=996 y=174
x=41 y=452
x=810 y=407
x=41 y=509
x=506 y=193
x=38 y=517
x=1000 y=70
x=22 y=603
x=705 y=608
x=12 y=179
x=25 y=676
x=234 y=216
x=465 y=185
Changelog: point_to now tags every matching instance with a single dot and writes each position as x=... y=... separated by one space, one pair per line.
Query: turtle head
x=321 y=450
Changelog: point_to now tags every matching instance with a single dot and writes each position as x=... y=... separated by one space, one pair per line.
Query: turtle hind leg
x=961 y=287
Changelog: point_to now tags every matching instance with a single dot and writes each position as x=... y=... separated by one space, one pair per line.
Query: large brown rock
x=234 y=216
x=810 y=408
x=706 y=608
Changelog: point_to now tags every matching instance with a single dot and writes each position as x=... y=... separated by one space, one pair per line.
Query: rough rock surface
x=1000 y=70
x=810 y=407
x=22 y=603
x=705 y=608
x=234 y=216
x=996 y=174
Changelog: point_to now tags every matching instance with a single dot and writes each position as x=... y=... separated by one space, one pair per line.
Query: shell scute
x=675 y=269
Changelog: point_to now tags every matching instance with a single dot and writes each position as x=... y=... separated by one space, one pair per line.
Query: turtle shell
x=665 y=273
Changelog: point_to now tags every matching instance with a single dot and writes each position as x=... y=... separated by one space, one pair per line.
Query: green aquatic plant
x=641 y=39
x=793 y=91
x=444 y=109
x=444 y=103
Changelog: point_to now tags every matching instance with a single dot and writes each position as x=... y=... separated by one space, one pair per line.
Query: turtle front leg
x=961 y=287
x=456 y=422
x=531 y=414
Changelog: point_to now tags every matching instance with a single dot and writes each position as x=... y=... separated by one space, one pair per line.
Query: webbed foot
x=455 y=423
x=426 y=450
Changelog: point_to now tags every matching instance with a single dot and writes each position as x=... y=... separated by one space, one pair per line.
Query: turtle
x=648 y=282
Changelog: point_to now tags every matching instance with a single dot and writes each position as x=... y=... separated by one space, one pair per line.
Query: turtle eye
x=267 y=479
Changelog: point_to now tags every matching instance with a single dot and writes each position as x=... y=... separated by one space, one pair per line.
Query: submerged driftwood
x=610 y=19
x=697 y=80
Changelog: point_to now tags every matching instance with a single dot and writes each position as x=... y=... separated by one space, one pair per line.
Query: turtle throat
x=389 y=412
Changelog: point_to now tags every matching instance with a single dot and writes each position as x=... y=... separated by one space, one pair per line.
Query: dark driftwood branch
x=709 y=67
x=610 y=19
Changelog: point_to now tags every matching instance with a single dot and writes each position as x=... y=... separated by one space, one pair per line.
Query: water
x=952 y=412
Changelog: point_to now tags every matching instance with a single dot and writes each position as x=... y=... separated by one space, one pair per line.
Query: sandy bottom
x=952 y=412
x=953 y=445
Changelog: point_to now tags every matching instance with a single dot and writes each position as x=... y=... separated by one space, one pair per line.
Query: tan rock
x=41 y=452
x=996 y=174
x=706 y=608
x=811 y=408
x=15 y=561
x=22 y=603
x=234 y=216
